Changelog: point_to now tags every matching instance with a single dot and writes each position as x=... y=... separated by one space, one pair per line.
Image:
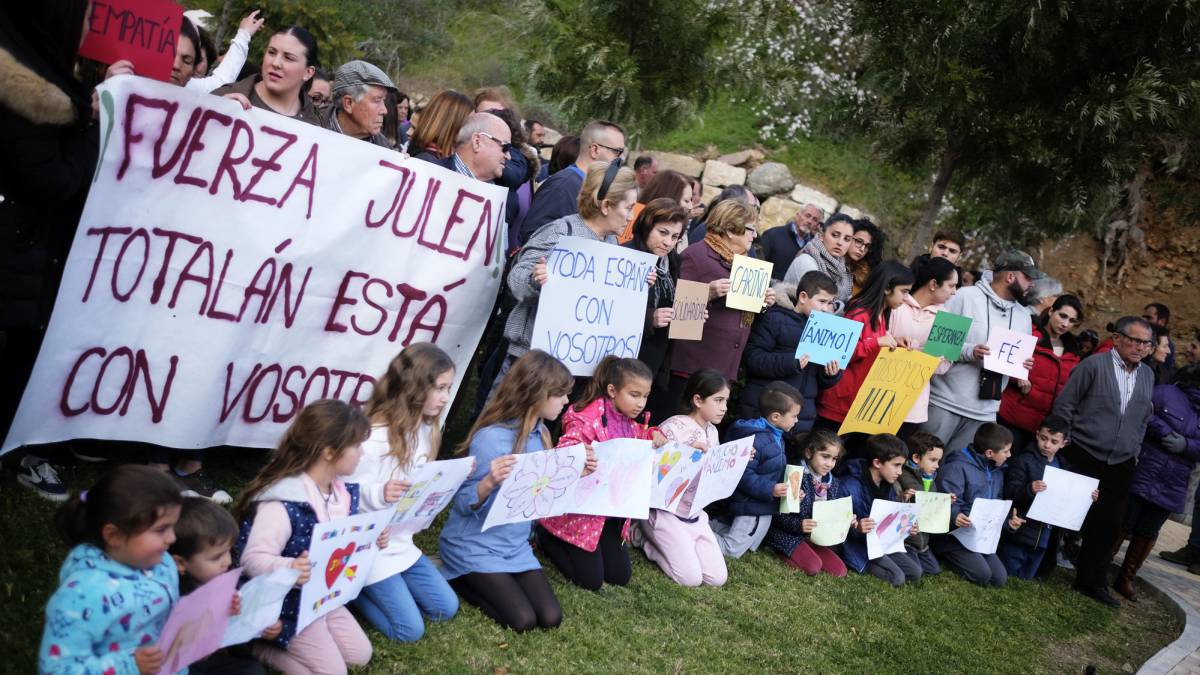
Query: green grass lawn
x=767 y=618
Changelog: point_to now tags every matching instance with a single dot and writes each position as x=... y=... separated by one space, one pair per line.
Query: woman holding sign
x=731 y=229
x=873 y=306
x=936 y=280
x=657 y=230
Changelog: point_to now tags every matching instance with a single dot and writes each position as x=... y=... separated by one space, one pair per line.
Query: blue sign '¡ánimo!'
x=828 y=337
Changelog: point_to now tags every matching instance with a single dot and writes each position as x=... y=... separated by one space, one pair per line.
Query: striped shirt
x=1126 y=379
x=461 y=167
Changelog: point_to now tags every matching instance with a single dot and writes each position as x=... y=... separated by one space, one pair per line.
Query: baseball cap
x=354 y=73
x=1017 y=261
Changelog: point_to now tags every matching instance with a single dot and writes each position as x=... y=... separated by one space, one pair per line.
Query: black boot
x=1184 y=556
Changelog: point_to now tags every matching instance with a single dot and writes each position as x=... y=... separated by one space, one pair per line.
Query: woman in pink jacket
x=936 y=280
x=590 y=550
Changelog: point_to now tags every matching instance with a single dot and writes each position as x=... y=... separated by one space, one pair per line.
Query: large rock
x=552 y=136
x=775 y=212
x=803 y=194
x=688 y=166
x=771 y=178
x=850 y=211
x=708 y=193
x=720 y=174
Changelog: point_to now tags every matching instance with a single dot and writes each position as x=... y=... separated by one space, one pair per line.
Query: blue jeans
x=1021 y=562
x=396 y=605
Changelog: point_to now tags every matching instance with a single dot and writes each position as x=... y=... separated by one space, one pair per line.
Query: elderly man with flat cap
x=360 y=102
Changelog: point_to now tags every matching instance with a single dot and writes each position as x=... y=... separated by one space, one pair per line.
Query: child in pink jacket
x=590 y=550
x=936 y=280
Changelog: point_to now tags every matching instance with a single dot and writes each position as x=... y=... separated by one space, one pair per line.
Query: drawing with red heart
x=337 y=563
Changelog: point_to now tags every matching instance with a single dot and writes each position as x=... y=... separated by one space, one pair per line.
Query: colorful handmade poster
x=691 y=299
x=749 y=280
x=947 y=336
x=935 y=512
x=723 y=468
x=197 y=623
x=541 y=485
x=828 y=337
x=833 y=519
x=1009 y=349
x=262 y=601
x=582 y=313
x=893 y=524
x=145 y=32
x=1065 y=501
x=893 y=384
x=676 y=467
x=342 y=552
x=987 y=520
x=620 y=485
x=793 y=475
x=432 y=487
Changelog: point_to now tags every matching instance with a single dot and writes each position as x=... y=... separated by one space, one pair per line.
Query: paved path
x=1181 y=657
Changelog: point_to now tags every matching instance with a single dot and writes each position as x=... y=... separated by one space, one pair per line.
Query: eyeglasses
x=320 y=99
x=620 y=151
x=862 y=243
x=504 y=147
x=1137 y=341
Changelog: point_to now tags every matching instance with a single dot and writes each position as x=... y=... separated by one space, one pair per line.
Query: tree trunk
x=937 y=191
x=223 y=25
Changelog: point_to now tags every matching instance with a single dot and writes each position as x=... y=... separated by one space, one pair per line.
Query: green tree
x=645 y=64
x=1045 y=109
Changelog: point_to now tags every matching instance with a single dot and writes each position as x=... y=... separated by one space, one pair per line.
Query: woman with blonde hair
x=441 y=119
x=731 y=228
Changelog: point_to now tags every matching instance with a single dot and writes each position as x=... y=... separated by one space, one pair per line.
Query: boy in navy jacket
x=867 y=480
x=757 y=495
x=970 y=473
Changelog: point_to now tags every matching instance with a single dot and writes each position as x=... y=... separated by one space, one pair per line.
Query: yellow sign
x=889 y=392
x=749 y=280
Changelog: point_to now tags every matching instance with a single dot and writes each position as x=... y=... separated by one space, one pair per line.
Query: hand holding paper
x=1008 y=351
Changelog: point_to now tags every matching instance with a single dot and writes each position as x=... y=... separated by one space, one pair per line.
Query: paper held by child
x=793 y=475
x=935 y=512
x=833 y=519
x=620 y=485
x=197 y=624
x=893 y=524
x=541 y=485
x=431 y=488
x=828 y=337
x=947 y=335
x=262 y=602
x=676 y=467
x=987 y=520
x=1065 y=501
x=341 y=552
x=723 y=469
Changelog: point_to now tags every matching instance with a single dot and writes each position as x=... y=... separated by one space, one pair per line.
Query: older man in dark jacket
x=1107 y=402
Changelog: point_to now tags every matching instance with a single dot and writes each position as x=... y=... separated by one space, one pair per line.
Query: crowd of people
x=1121 y=410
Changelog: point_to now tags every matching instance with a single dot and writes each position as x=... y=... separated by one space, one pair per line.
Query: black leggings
x=609 y=563
x=521 y=601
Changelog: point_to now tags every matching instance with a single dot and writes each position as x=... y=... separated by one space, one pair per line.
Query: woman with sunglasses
x=609 y=192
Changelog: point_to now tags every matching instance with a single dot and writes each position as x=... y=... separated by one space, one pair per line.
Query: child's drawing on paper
x=542 y=478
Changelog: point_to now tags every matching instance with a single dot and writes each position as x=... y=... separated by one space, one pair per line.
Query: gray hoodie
x=958 y=389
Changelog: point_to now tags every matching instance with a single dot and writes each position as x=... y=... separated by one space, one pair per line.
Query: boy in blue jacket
x=970 y=473
x=757 y=495
x=771 y=350
x=867 y=480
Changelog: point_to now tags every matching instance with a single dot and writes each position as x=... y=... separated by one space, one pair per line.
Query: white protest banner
x=1065 y=501
x=723 y=469
x=675 y=467
x=432 y=487
x=541 y=485
x=231 y=265
x=987 y=520
x=893 y=524
x=828 y=337
x=197 y=623
x=262 y=601
x=593 y=304
x=1009 y=349
x=620 y=485
x=749 y=279
x=341 y=552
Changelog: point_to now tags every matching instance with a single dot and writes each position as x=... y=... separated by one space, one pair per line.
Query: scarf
x=664 y=288
x=721 y=246
x=820 y=484
x=834 y=268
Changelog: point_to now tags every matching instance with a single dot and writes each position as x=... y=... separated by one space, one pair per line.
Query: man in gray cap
x=967 y=396
x=360 y=102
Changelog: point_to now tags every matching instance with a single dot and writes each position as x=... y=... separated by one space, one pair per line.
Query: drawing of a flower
x=543 y=477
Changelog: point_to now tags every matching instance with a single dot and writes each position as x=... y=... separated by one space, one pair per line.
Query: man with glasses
x=600 y=141
x=967 y=396
x=781 y=244
x=482 y=146
x=1107 y=403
